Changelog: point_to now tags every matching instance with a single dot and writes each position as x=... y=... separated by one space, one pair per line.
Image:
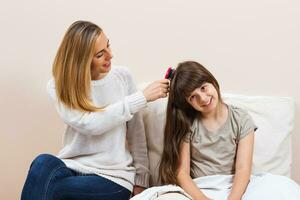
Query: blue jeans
x=50 y=179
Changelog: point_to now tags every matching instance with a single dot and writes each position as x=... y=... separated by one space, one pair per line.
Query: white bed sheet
x=261 y=187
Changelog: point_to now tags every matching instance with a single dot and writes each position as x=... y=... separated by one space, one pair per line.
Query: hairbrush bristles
x=169 y=74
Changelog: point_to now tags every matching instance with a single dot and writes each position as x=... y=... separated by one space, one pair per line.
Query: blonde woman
x=104 y=154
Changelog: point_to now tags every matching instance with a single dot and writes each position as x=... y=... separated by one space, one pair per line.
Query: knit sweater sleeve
x=97 y=123
x=136 y=139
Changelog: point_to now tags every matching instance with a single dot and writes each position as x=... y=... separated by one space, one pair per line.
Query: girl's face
x=204 y=98
x=101 y=62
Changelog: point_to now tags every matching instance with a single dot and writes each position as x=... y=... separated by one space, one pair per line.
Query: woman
x=104 y=143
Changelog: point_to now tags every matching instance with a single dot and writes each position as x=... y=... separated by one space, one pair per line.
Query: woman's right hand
x=157 y=89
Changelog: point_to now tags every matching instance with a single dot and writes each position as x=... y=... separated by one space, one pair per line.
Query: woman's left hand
x=137 y=189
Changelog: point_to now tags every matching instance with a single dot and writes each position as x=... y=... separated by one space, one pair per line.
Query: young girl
x=203 y=135
x=104 y=143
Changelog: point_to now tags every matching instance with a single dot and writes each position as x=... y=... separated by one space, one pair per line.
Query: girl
x=203 y=135
x=104 y=143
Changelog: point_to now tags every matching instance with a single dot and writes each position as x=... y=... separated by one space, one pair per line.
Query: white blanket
x=217 y=187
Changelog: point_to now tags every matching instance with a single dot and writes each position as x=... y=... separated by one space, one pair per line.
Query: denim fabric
x=50 y=179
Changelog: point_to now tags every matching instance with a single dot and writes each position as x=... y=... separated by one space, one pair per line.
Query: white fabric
x=173 y=196
x=95 y=142
x=274 y=117
x=217 y=187
x=158 y=192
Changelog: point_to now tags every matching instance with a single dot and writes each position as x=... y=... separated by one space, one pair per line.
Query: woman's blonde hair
x=72 y=66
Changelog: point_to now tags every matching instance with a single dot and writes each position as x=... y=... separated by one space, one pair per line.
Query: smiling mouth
x=107 y=65
x=208 y=103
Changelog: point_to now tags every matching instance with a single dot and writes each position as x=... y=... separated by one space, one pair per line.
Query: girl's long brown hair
x=188 y=76
x=72 y=66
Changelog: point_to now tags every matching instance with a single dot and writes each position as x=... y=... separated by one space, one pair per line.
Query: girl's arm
x=183 y=176
x=243 y=167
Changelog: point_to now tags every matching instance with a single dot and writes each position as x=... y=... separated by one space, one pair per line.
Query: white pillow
x=274 y=117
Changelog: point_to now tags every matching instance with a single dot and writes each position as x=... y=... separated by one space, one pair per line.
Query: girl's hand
x=204 y=198
x=232 y=197
x=156 y=90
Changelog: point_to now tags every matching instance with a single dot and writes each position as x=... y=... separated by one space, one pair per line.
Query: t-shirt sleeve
x=189 y=136
x=247 y=124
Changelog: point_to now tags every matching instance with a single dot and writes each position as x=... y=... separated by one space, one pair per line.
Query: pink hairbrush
x=169 y=74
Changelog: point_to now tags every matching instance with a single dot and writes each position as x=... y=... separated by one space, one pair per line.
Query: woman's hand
x=204 y=198
x=156 y=90
x=137 y=189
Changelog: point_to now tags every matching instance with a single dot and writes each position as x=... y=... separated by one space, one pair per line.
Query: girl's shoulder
x=237 y=112
x=242 y=119
x=193 y=130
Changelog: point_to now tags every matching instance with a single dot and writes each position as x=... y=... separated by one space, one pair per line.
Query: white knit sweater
x=110 y=143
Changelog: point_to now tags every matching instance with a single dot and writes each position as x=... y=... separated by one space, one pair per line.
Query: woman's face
x=101 y=62
x=204 y=99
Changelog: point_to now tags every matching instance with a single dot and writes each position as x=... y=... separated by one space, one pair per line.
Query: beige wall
x=251 y=46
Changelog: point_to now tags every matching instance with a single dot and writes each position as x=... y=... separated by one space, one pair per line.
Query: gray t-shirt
x=215 y=152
